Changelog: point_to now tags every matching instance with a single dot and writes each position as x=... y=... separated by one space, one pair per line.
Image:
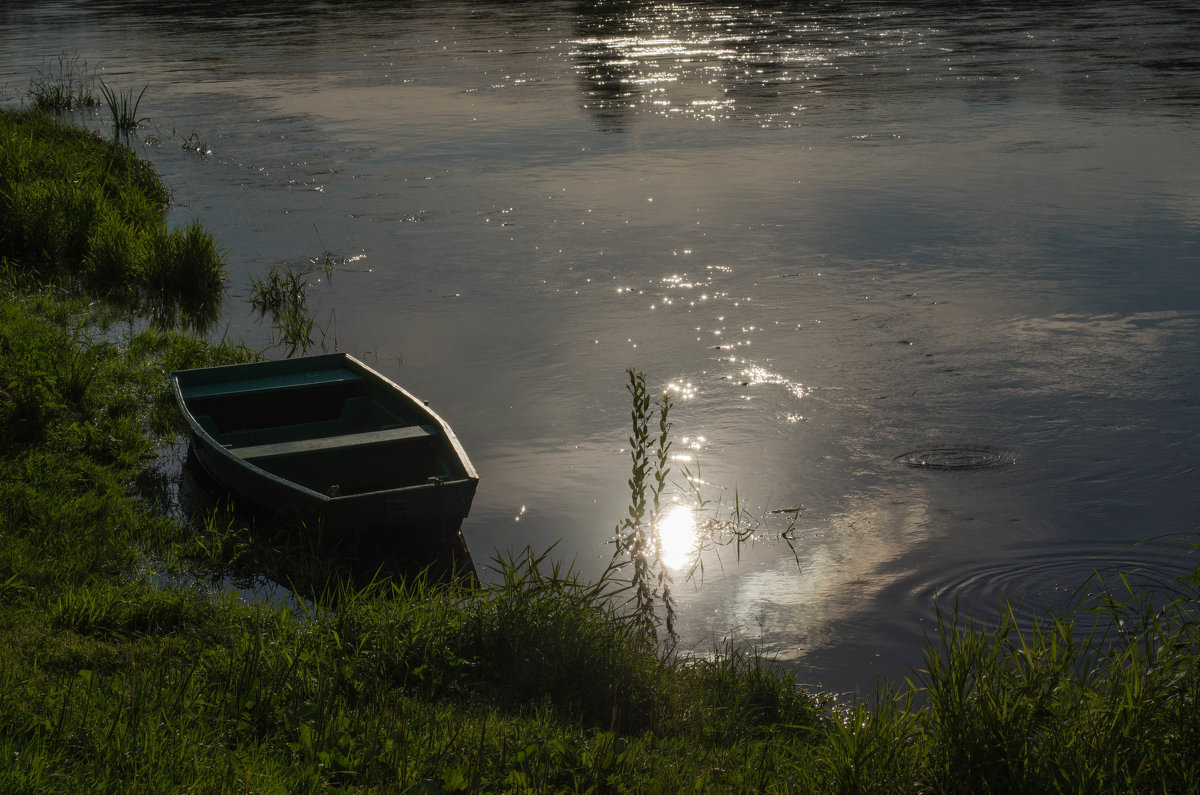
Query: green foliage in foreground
x=122 y=671
x=77 y=210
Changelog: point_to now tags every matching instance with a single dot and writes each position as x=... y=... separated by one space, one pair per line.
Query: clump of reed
x=543 y=634
x=63 y=85
x=282 y=295
x=123 y=109
x=183 y=276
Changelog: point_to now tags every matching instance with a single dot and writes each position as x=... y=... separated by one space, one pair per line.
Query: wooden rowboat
x=327 y=439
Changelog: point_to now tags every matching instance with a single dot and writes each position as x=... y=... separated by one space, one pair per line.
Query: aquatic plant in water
x=184 y=276
x=637 y=538
x=194 y=143
x=64 y=86
x=123 y=108
x=281 y=295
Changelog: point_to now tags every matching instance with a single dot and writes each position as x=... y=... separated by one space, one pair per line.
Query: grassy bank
x=121 y=670
x=88 y=215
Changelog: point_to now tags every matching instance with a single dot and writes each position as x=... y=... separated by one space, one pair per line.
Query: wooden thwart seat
x=346 y=441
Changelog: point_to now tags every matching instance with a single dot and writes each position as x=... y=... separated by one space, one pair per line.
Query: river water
x=838 y=233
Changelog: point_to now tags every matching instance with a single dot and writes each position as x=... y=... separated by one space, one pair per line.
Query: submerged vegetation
x=126 y=667
x=281 y=294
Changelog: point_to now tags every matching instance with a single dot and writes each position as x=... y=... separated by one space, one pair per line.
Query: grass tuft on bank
x=62 y=85
x=128 y=665
x=86 y=214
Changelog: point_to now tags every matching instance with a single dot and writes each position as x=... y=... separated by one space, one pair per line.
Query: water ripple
x=957 y=458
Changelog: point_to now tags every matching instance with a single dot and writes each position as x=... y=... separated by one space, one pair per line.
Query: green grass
x=80 y=212
x=62 y=85
x=123 y=668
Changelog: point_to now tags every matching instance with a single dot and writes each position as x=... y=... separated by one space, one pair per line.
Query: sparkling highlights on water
x=715 y=63
x=696 y=291
x=684 y=459
x=678 y=536
x=754 y=375
x=681 y=390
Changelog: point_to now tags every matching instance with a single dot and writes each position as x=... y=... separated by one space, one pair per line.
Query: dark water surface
x=841 y=233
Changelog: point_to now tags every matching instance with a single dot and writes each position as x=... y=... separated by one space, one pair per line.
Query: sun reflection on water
x=678 y=536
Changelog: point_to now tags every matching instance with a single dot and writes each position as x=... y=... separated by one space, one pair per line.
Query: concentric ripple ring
x=957 y=458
